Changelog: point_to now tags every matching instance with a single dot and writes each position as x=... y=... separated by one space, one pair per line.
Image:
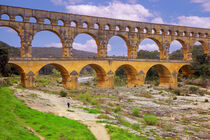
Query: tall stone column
x=67 y=46
x=188 y=52
x=71 y=81
x=28 y=80
x=102 y=49
x=132 y=49
x=164 y=51
x=26 y=44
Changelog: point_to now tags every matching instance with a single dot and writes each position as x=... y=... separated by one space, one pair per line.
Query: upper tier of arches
x=97 y=23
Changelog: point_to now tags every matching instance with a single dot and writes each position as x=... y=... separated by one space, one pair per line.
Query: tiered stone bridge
x=101 y=29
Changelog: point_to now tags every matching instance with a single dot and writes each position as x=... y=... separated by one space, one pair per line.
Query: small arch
x=5 y=17
x=96 y=26
x=33 y=20
x=100 y=74
x=60 y=22
x=153 y=31
x=84 y=25
x=117 y=28
x=47 y=21
x=186 y=70
x=131 y=74
x=136 y=29
x=127 y=29
x=184 y=33
x=145 y=30
x=205 y=35
x=165 y=77
x=161 y=31
x=107 y=27
x=19 y=18
x=191 y=34
x=169 y=32
x=73 y=24
x=176 y=33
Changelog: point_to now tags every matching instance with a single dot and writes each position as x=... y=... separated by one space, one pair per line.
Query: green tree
x=143 y=54
x=4 y=58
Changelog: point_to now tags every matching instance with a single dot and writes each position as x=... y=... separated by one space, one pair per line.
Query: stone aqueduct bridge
x=101 y=29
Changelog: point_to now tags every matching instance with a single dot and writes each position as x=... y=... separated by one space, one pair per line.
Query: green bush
x=92 y=111
x=177 y=92
x=193 y=89
x=63 y=94
x=126 y=123
x=135 y=112
x=117 y=109
x=135 y=126
x=150 y=119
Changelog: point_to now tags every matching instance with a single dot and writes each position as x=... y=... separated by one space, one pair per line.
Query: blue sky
x=195 y=13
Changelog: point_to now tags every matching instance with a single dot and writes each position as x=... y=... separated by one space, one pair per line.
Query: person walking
x=68 y=104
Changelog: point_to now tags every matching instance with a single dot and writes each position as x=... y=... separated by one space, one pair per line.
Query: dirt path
x=57 y=105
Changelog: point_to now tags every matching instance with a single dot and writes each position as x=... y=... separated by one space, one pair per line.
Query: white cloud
x=114 y=9
x=149 y=47
x=205 y=4
x=90 y=46
x=194 y=21
x=158 y=20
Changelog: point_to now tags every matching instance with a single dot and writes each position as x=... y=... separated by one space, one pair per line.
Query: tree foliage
x=4 y=58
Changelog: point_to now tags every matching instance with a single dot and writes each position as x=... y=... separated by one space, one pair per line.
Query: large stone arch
x=125 y=39
x=186 y=69
x=93 y=36
x=184 y=46
x=131 y=72
x=204 y=45
x=158 y=42
x=64 y=73
x=165 y=76
x=21 y=72
x=100 y=72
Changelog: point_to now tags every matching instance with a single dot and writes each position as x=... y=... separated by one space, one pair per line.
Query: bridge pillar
x=28 y=80
x=102 y=49
x=67 y=46
x=71 y=81
x=107 y=82
x=168 y=81
x=26 y=47
x=188 y=52
x=164 y=51
x=133 y=49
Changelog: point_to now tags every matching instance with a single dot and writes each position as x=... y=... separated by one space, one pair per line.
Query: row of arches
x=97 y=26
x=134 y=76
x=117 y=45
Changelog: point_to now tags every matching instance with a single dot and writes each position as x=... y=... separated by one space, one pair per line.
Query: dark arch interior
x=158 y=75
x=96 y=71
x=51 y=75
x=125 y=75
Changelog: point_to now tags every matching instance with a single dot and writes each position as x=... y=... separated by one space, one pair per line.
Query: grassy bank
x=14 y=113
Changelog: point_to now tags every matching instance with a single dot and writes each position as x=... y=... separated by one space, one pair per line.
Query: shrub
x=63 y=94
x=92 y=111
x=126 y=123
x=135 y=126
x=206 y=100
x=150 y=119
x=135 y=111
x=193 y=89
x=177 y=92
x=117 y=109
x=156 y=83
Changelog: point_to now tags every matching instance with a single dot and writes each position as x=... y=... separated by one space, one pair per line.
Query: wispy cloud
x=114 y=9
x=204 y=3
